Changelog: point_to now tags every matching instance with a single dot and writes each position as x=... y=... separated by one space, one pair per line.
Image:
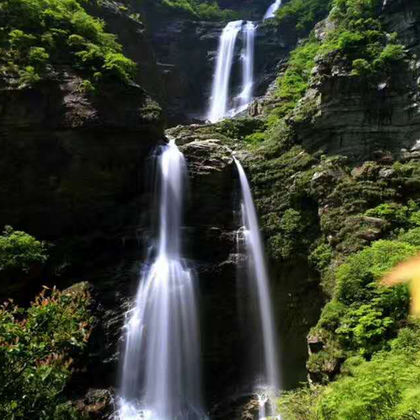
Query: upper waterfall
x=161 y=363
x=271 y=11
x=220 y=89
x=247 y=57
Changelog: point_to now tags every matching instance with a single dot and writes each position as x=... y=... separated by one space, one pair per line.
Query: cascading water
x=257 y=271
x=271 y=11
x=160 y=370
x=220 y=89
x=245 y=97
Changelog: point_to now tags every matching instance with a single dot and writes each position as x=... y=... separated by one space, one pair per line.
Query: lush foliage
x=356 y=39
x=38 y=347
x=303 y=14
x=384 y=388
x=20 y=251
x=39 y=36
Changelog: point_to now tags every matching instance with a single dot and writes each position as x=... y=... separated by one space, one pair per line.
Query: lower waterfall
x=160 y=378
x=268 y=382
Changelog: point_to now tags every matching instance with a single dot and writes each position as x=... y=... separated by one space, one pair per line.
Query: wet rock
x=97 y=404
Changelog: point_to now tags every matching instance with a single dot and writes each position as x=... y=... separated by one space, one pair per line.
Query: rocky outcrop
x=69 y=160
x=344 y=113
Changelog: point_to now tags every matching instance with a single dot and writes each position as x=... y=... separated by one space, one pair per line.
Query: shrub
x=303 y=14
x=38 y=33
x=300 y=404
x=38 y=347
x=356 y=278
x=321 y=257
x=367 y=327
x=20 y=251
x=384 y=388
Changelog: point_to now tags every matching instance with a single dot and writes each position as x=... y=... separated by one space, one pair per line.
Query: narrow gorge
x=203 y=205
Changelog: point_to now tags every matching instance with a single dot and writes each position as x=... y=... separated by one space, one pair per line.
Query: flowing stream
x=161 y=365
x=257 y=271
x=220 y=90
x=271 y=11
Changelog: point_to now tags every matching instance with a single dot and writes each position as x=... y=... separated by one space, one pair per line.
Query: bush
x=38 y=347
x=38 y=33
x=384 y=388
x=300 y=404
x=321 y=257
x=20 y=251
x=356 y=278
x=303 y=14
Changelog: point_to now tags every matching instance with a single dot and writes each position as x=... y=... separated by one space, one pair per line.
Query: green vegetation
x=194 y=9
x=385 y=387
x=303 y=14
x=38 y=37
x=355 y=39
x=39 y=347
x=292 y=85
x=20 y=251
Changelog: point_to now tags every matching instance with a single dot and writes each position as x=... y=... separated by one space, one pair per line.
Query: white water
x=271 y=11
x=248 y=64
x=161 y=370
x=258 y=272
x=220 y=90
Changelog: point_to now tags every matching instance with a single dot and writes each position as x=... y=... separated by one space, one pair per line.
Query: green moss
x=293 y=84
x=239 y=128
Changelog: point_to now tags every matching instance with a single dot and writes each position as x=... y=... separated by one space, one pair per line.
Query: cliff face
x=74 y=158
x=346 y=114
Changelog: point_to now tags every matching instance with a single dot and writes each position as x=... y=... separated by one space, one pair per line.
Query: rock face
x=354 y=118
x=68 y=160
x=132 y=35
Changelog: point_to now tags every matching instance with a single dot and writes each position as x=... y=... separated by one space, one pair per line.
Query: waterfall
x=248 y=64
x=220 y=89
x=271 y=11
x=257 y=271
x=247 y=57
x=160 y=378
